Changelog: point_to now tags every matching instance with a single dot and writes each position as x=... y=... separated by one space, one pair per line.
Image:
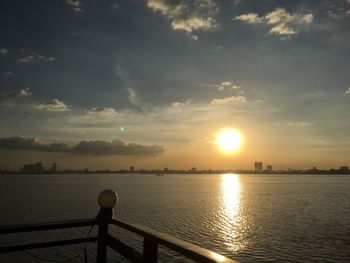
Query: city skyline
x=154 y=83
x=257 y=168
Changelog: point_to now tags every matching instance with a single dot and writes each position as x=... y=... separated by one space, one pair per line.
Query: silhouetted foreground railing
x=151 y=240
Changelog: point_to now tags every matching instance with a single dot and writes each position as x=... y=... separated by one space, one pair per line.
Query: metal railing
x=151 y=240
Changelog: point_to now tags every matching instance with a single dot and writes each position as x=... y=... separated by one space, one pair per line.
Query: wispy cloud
x=250 y=18
x=53 y=105
x=187 y=16
x=101 y=111
x=229 y=100
x=9 y=73
x=279 y=20
x=24 y=93
x=11 y=98
x=293 y=124
x=339 y=9
x=97 y=147
x=229 y=85
x=132 y=96
x=76 y=5
x=35 y=58
x=3 y=51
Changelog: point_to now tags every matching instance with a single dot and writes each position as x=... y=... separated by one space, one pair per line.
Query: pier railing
x=151 y=240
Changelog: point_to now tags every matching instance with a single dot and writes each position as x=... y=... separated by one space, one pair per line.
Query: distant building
x=258 y=167
x=193 y=169
x=38 y=167
x=269 y=168
x=32 y=168
x=166 y=169
x=28 y=169
x=53 y=167
x=132 y=169
x=344 y=169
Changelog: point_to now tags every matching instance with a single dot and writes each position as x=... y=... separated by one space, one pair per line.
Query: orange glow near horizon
x=229 y=140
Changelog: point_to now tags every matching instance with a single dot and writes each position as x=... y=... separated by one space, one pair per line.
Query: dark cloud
x=35 y=58
x=12 y=97
x=116 y=147
x=98 y=147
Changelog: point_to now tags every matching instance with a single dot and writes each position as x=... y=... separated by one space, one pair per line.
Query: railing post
x=107 y=199
x=150 y=249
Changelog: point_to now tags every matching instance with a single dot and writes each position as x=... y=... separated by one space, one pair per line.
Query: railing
x=151 y=240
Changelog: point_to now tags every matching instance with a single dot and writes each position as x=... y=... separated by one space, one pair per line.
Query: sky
x=106 y=84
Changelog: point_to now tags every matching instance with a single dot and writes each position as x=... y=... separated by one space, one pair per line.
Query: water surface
x=250 y=218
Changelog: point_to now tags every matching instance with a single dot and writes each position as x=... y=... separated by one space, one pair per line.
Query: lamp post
x=107 y=200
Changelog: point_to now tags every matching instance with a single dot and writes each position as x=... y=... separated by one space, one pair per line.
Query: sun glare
x=229 y=140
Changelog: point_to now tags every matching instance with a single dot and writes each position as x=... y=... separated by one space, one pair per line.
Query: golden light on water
x=231 y=190
x=230 y=222
x=229 y=140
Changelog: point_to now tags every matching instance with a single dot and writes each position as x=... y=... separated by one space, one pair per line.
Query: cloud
x=339 y=10
x=116 y=147
x=10 y=97
x=102 y=111
x=307 y=18
x=348 y=91
x=9 y=73
x=293 y=124
x=176 y=104
x=17 y=99
x=250 y=18
x=29 y=144
x=229 y=85
x=282 y=29
x=281 y=22
x=53 y=105
x=75 y=4
x=3 y=51
x=229 y=100
x=132 y=96
x=24 y=93
x=187 y=15
x=192 y=23
x=98 y=147
x=35 y=58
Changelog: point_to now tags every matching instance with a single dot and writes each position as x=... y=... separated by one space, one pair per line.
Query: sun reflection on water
x=230 y=222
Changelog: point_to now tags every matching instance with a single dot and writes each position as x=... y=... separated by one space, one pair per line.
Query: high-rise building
x=38 y=167
x=28 y=168
x=258 y=167
x=53 y=167
x=269 y=168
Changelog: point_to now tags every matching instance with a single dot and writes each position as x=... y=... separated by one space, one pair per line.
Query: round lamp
x=107 y=199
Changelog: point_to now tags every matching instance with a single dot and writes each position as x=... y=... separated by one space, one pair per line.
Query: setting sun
x=229 y=140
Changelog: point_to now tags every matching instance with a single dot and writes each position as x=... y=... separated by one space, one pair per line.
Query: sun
x=229 y=140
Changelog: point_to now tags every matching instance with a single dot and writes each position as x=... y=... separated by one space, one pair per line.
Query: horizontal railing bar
x=9 y=229
x=47 y=244
x=187 y=249
x=123 y=249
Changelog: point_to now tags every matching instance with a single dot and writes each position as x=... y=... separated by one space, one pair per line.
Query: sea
x=248 y=218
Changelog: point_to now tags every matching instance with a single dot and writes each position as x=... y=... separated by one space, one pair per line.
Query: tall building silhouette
x=53 y=167
x=269 y=168
x=258 y=167
x=38 y=167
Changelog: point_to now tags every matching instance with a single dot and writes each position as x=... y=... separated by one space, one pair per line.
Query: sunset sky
x=108 y=84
